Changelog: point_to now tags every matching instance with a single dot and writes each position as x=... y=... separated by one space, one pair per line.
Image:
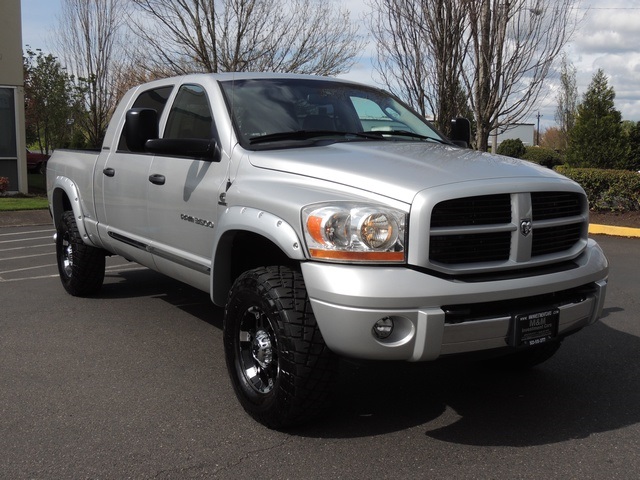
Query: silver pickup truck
x=329 y=220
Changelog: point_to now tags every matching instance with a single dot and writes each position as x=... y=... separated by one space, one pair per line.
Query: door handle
x=109 y=172
x=157 y=179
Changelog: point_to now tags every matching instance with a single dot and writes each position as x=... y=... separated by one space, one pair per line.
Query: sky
x=608 y=37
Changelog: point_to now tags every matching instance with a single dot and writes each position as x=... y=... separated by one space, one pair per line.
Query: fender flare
x=64 y=185
x=248 y=219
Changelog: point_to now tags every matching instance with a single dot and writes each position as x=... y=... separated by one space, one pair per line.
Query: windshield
x=268 y=113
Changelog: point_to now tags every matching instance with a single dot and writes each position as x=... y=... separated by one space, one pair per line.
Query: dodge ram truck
x=329 y=220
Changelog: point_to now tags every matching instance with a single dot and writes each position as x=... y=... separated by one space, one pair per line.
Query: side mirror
x=461 y=132
x=141 y=125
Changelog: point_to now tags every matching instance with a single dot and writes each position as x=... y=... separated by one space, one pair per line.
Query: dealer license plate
x=534 y=328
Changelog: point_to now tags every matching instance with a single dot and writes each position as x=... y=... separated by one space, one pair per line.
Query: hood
x=397 y=170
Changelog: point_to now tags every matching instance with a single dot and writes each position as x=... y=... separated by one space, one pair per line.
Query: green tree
x=50 y=101
x=596 y=140
x=632 y=133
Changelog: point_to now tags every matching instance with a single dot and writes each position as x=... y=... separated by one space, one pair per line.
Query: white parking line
x=25 y=233
x=25 y=248
x=28 y=239
x=2 y=272
x=9 y=280
x=27 y=256
x=113 y=269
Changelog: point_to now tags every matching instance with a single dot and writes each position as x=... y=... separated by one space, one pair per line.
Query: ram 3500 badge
x=329 y=220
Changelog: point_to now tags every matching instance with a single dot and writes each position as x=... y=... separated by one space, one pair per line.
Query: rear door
x=184 y=199
x=125 y=182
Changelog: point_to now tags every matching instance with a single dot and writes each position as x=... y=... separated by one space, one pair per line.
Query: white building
x=13 y=162
x=523 y=131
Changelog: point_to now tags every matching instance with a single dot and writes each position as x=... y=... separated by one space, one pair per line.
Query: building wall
x=13 y=162
x=523 y=131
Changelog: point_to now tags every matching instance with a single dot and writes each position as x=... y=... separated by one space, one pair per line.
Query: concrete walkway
x=25 y=218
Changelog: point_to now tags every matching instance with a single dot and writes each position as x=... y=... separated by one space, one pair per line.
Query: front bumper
x=348 y=300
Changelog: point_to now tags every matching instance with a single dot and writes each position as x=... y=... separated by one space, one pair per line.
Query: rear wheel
x=280 y=367
x=81 y=266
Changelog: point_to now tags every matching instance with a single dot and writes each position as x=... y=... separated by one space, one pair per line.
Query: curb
x=596 y=229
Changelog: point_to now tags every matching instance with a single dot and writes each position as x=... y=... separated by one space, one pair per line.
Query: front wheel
x=81 y=266
x=280 y=367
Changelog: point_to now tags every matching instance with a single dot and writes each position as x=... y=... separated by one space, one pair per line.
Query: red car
x=37 y=162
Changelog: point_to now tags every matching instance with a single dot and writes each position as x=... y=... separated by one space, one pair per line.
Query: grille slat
x=555 y=239
x=491 y=247
x=548 y=205
x=481 y=210
x=489 y=210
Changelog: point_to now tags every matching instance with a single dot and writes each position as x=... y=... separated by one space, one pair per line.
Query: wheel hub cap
x=261 y=349
x=67 y=259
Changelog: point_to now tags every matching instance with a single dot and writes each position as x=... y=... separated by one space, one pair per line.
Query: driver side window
x=190 y=115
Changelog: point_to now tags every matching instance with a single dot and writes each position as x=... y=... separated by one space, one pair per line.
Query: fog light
x=383 y=327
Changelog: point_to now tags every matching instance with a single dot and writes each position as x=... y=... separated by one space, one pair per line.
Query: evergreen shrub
x=607 y=190
x=512 y=147
x=542 y=156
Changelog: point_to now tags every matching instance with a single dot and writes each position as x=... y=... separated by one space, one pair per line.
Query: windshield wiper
x=406 y=133
x=309 y=134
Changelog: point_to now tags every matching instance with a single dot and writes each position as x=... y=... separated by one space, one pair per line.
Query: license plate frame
x=534 y=328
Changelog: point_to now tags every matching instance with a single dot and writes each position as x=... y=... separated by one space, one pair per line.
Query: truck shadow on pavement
x=141 y=282
x=591 y=385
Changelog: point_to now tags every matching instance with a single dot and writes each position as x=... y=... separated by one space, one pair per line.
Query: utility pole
x=538 y=129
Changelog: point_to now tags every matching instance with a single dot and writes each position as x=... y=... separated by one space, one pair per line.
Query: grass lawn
x=37 y=201
x=22 y=203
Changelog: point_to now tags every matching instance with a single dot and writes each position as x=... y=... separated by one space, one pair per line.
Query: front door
x=184 y=199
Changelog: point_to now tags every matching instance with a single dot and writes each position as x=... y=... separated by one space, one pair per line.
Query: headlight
x=354 y=232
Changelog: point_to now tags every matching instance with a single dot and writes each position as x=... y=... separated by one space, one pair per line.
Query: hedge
x=607 y=190
x=542 y=156
x=512 y=147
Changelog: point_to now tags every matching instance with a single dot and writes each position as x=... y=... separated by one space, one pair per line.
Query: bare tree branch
x=88 y=36
x=514 y=45
x=420 y=53
x=303 y=36
x=496 y=52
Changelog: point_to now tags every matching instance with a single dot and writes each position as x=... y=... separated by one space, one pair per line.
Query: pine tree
x=596 y=139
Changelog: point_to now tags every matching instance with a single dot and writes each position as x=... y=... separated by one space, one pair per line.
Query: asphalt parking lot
x=132 y=384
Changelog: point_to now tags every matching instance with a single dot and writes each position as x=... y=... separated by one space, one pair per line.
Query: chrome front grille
x=507 y=230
